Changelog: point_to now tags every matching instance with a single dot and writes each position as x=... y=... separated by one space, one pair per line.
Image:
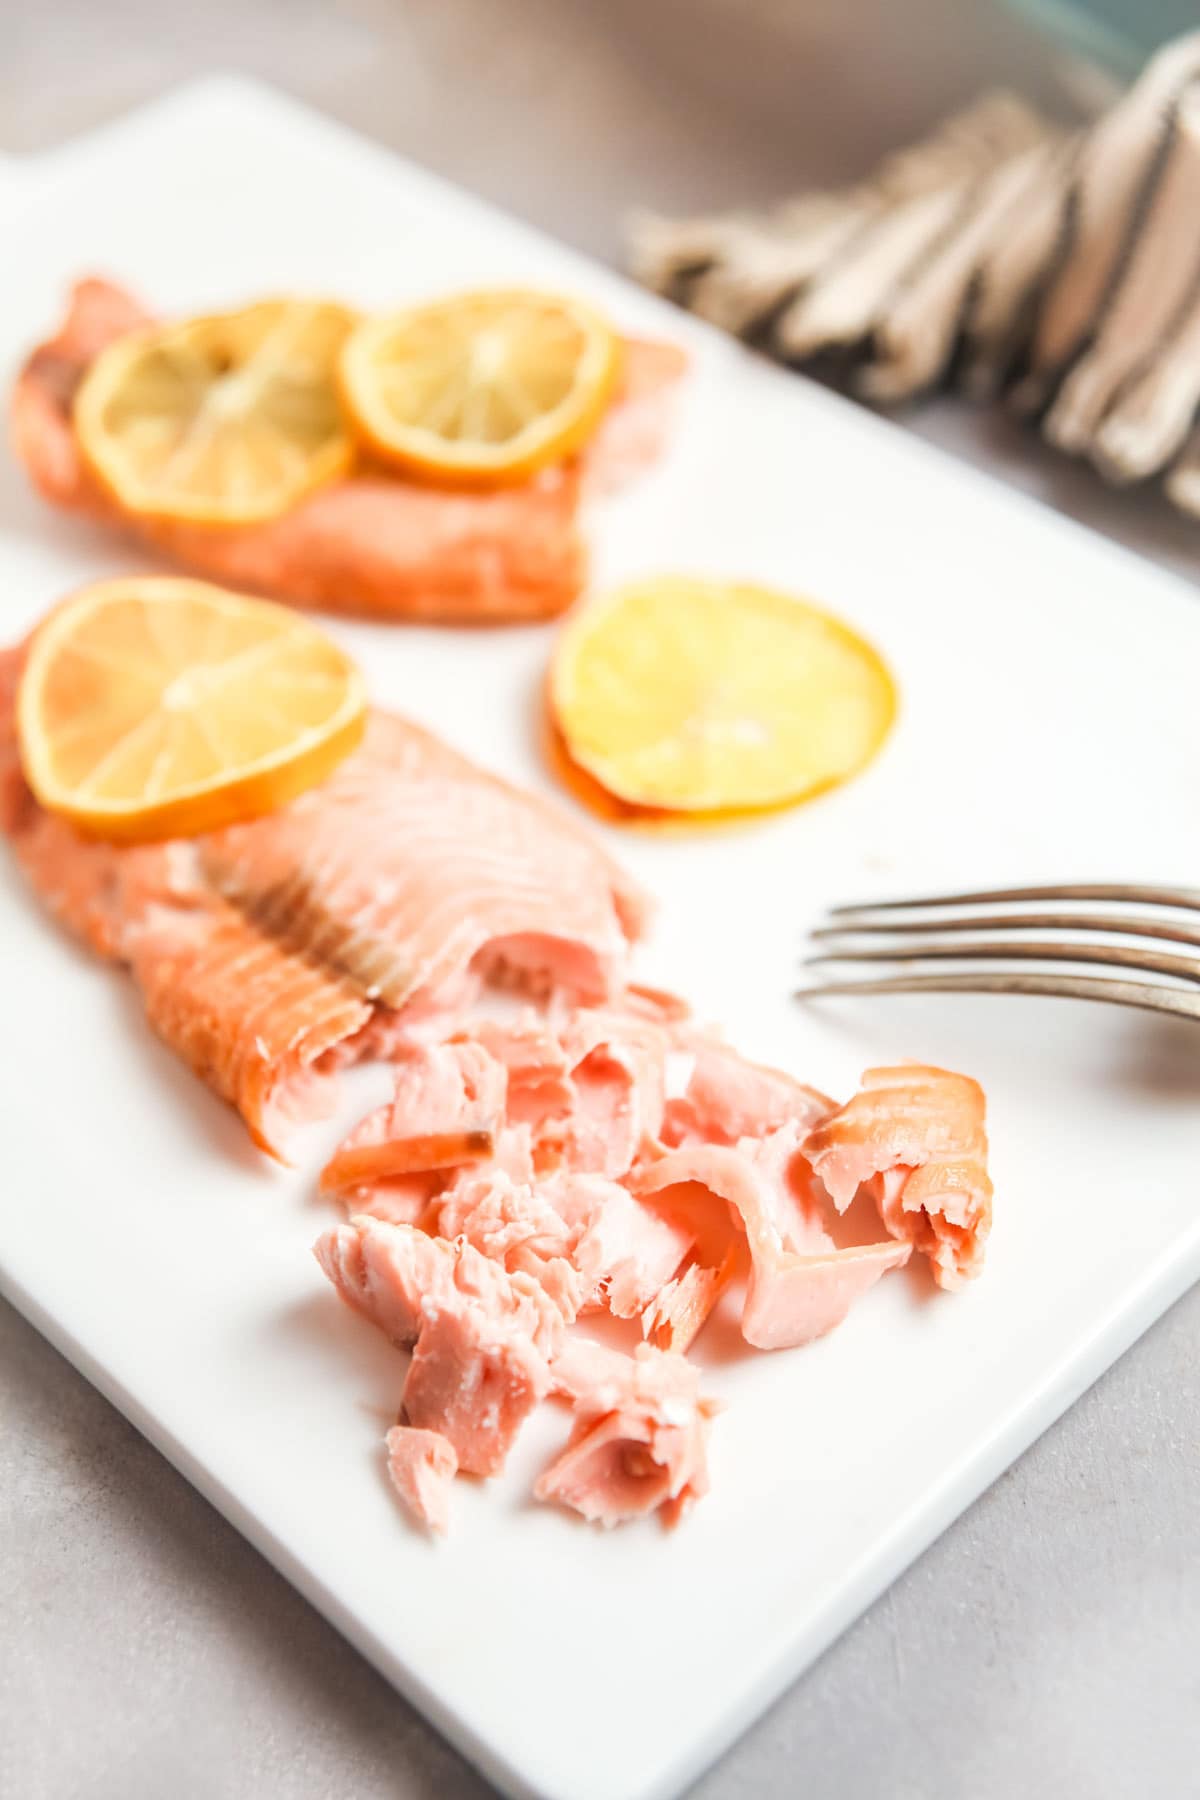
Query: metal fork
x=899 y=938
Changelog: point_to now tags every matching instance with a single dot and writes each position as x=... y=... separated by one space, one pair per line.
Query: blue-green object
x=1118 y=33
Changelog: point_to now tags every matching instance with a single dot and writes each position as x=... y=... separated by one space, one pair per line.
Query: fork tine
x=1059 y=987
x=1134 y=926
x=1186 y=898
x=1113 y=956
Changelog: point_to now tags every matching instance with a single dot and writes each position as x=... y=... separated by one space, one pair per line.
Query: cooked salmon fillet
x=373 y=544
x=269 y=952
x=916 y=1137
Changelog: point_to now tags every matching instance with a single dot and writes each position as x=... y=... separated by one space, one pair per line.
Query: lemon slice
x=153 y=708
x=222 y=420
x=700 y=696
x=481 y=387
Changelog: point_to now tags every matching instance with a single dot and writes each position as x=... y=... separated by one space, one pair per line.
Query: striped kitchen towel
x=1007 y=254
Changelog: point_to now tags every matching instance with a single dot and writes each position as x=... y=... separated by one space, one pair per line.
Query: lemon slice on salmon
x=480 y=388
x=704 y=696
x=222 y=420
x=153 y=708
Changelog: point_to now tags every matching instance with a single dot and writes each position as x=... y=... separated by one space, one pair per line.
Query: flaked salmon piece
x=801 y=1284
x=399 y=1278
x=422 y=1466
x=482 y=1339
x=513 y=1155
x=917 y=1136
x=728 y=1098
x=415 y=1199
x=591 y=1088
x=509 y=1221
x=625 y=1252
x=373 y=544
x=617 y=1063
x=681 y=1309
x=559 y=1280
x=447 y=1110
x=397 y=1200
x=474 y=1379
x=272 y=952
x=536 y=1065
x=500 y=1216
x=590 y=1373
x=383 y=1271
x=657 y=1005
x=584 y=1238
x=640 y=1441
x=797 y=1299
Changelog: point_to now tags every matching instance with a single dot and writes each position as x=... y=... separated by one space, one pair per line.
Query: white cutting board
x=1049 y=728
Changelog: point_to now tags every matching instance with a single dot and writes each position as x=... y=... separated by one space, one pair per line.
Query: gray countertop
x=1049 y=1643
